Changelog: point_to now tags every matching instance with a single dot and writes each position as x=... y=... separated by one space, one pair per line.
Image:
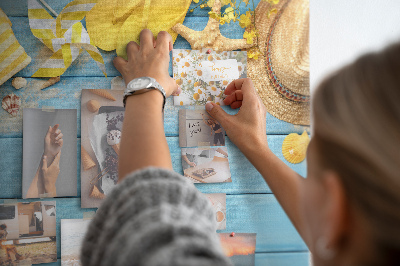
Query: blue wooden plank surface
x=259 y=214
x=66 y=94
x=245 y=178
x=263 y=259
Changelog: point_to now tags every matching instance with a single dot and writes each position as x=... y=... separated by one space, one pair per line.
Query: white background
x=341 y=30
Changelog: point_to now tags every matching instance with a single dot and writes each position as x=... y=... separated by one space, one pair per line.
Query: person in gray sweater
x=154 y=216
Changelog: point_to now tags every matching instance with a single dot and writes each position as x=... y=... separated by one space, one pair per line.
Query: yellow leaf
x=246 y=1
x=272 y=11
x=112 y=24
x=196 y=1
x=226 y=2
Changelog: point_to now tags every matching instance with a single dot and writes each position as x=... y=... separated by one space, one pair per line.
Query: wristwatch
x=142 y=85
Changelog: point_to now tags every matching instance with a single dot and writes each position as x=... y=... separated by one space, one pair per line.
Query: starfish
x=211 y=36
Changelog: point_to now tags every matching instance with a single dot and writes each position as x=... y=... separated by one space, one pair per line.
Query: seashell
x=93 y=106
x=87 y=161
x=50 y=82
x=19 y=83
x=95 y=193
x=11 y=104
x=294 y=147
x=104 y=93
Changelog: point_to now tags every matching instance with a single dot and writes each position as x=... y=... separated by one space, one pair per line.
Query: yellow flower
x=187 y=64
x=196 y=96
x=210 y=58
x=199 y=73
x=199 y=91
x=245 y=20
x=196 y=1
x=225 y=2
x=211 y=83
x=225 y=82
x=229 y=15
x=179 y=82
x=253 y=53
x=196 y=84
x=210 y=3
x=181 y=103
x=213 y=88
x=249 y=36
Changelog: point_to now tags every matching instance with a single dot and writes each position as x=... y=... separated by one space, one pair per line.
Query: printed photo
x=198 y=128
x=204 y=77
x=206 y=165
x=102 y=114
x=28 y=233
x=49 y=153
x=72 y=234
x=218 y=201
x=239 y=247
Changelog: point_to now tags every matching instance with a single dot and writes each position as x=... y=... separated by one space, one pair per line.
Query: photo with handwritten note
x=203 y=77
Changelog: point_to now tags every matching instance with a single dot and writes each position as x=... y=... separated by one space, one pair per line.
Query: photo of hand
x=44 y=182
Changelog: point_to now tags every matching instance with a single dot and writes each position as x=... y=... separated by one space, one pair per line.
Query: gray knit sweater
x=153 y=217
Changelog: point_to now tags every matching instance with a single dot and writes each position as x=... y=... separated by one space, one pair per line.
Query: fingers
x=245 y=85
x=146 y=40
x=131 y=48
x=58 y=137
x=218 y=113
x=44 y=163
x=48 y=132
x=164 y=41
x=177 y=92
x=60 y=142
x=235 y=99
x=119 y=63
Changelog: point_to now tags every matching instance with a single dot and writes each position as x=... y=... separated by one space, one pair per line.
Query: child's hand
x=247 y=129
x=53 y=142
x=150 y=59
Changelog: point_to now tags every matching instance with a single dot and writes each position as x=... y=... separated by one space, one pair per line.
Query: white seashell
x=11 y=104
x=19 y=82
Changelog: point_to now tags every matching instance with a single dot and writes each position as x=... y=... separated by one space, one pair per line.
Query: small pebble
x=209 y=51
x=232 y=234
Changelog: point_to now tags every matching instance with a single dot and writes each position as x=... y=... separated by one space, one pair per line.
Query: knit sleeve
x=153 y=217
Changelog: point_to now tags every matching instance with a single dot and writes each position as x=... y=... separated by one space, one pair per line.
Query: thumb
x=217 y=113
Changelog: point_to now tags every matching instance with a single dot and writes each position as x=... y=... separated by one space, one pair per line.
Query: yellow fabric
x=13 y=57
x=111 y=24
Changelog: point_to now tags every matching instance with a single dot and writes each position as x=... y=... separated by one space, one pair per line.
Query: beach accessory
x=112 y=24
x=12 y=54
x=281 y=76
x=65 y=36
x=142 y=85
x=294 y=147
x=211 y=37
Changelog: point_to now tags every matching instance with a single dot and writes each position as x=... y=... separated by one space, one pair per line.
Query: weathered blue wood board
x=263 y=259
x=250 y=206
x=259 y=214
x=245 y=178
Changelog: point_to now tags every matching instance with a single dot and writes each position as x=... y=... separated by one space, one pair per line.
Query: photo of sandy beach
x=72 y=233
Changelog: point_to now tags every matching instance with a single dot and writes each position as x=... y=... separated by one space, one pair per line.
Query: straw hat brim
x=281 y=76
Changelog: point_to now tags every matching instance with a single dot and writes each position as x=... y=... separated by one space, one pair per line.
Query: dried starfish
x=211 y=36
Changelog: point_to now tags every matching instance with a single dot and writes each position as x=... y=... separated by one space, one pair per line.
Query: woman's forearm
x=143 y=141
x=282 y=180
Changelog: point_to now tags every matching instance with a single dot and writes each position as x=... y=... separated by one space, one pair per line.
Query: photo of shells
x=28 y=233
x=49 y=153
x=102 y=114
x=72 y=234
x=218 y=201
x=198 y=128
x=206 y=164
x=239 y=247
x=204 y=76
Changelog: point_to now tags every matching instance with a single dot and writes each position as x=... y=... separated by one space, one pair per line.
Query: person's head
x=351 y=197
x=210 y=121
x=3 y=226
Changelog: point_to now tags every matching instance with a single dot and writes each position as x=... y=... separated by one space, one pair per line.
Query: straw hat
x=281 y=76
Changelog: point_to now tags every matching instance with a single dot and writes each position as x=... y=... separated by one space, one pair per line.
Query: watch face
x=141 y=83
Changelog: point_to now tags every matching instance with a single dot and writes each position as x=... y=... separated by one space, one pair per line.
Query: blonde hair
x=357 y=134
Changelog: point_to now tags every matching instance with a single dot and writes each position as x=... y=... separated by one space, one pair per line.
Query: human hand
x=247 y=129
x=150 y=59
x=50 y=175
x=53 y=142
x=192 y=164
